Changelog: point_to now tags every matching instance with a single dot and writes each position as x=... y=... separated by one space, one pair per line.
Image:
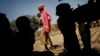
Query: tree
x=34 y=22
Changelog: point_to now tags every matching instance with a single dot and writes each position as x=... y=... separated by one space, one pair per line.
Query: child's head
x=63 y=9
x=38 y=15
x=41 y=7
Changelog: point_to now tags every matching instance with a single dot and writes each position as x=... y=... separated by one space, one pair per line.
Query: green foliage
x=34 y=22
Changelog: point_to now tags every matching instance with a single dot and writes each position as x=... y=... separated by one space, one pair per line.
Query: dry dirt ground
x=57 y=40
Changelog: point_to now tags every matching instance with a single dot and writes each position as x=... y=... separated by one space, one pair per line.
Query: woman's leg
x=47 y=39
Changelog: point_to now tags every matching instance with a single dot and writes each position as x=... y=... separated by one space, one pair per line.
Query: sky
x=16 y=8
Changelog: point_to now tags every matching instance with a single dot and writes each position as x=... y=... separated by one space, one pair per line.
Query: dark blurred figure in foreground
x=24 y=38
x=5 y=35
x=84 y=15
x=67 y=27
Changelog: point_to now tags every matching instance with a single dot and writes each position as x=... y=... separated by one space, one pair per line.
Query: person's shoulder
x=44 y=11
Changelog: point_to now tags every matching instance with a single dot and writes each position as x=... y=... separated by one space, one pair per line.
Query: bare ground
x=57 y=40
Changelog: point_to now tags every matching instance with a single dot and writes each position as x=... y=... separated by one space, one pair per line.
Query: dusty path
x=57 y=40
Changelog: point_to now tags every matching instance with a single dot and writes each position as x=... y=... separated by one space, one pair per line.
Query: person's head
x=63 y=9
x=38 y=15
x=41 y=7
x=23 y=23
x=4 y=22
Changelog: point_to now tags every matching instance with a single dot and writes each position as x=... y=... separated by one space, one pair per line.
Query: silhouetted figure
x=24 y=38
x=67 y=27
x=86 y=12
x=84 y=15
x=5 y=35
x=97 y=9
